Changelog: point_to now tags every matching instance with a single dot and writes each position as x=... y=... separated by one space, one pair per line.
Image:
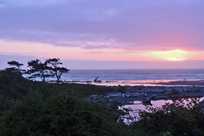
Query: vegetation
x=15 y=64
x=55 y=65
x=31 y=108
x=183 y=117
x=39 y=69
x=49 y=68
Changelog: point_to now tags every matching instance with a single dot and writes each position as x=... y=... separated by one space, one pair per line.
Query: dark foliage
x=15 y=64
x=49 y=68
x=58 y=70
x=40 y=109
x=38 y=69
x=29 y=108
x=55 y=116
x=183 y=117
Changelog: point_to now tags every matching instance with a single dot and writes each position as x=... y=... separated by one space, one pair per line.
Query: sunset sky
x=104 y=34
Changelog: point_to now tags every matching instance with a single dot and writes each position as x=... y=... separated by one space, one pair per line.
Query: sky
x=104 y=34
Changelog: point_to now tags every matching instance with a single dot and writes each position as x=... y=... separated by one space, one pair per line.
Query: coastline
x=184 y=82
x=132 y=83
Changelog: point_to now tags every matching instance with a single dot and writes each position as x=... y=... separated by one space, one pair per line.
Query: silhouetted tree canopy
x=49 y=68
x=39 y=69
x=15 y=64
x=56 y=66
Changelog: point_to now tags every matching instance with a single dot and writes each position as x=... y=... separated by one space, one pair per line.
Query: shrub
x=183 y=117
x=56 y=116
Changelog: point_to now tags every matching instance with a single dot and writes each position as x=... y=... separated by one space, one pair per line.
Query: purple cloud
x=141 y=24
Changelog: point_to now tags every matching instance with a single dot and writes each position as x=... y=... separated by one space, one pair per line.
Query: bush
x=57 y=116
x=30 y=108
x=181 y=118
x=41 y=109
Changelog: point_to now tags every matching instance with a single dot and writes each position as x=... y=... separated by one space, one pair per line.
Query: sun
x=171 y=55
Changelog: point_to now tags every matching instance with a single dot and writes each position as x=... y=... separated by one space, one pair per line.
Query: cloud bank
x=141 y=24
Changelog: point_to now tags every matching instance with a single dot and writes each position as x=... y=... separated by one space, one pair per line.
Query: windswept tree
x=56 y=66
x=39 y=69
x=15 y=64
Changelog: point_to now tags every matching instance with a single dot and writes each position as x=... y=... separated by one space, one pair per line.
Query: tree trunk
x=58 y=79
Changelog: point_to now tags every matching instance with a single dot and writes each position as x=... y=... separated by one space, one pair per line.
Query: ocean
x=134 y=77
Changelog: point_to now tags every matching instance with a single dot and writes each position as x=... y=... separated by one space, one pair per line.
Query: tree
x=15 y=67
x=181 y=117
x=39 y=69
x=15 y=64
x=56 y=66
